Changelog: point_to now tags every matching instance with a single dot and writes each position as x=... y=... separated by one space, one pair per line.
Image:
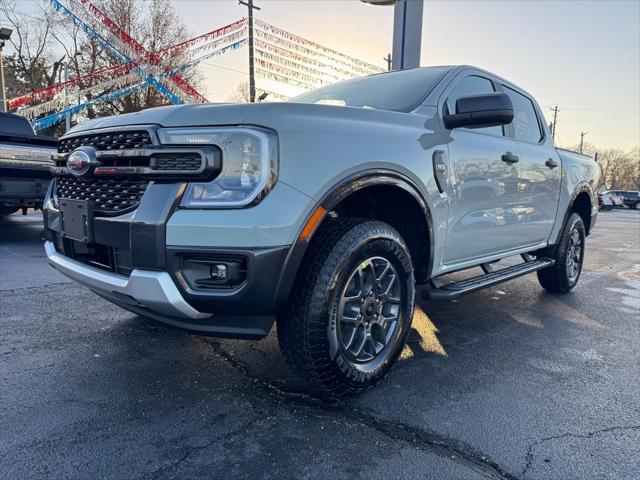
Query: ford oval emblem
x=82 y=161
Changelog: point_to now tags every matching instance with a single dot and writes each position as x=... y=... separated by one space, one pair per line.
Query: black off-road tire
x=556 y=279
x=307 y=329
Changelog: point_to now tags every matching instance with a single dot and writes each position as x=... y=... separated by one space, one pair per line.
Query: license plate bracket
x=77 y=219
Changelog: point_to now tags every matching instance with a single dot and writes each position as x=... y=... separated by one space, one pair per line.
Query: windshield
x=399 y=91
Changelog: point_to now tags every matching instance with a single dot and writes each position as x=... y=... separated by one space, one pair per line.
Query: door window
x=525 y=120
x=470 y=86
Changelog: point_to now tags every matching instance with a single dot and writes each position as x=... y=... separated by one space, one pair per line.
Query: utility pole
x=388 y=60
x=5 y=34
x=582 y=134
x=252 y=80
x=555 y=122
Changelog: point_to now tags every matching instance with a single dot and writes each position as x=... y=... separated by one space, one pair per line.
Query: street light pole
x=407 y=31
x=5 y=34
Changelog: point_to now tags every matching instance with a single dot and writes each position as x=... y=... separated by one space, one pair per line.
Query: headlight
x=249 y=164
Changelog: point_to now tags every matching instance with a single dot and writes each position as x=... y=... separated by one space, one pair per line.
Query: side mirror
x=482 y=110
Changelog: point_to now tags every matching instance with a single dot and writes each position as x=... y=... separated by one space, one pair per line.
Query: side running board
x=451 y=291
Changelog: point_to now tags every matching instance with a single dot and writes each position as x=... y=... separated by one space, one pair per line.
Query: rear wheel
x=569 y=255
x=352 y=306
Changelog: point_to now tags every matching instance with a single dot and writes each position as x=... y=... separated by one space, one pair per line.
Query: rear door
x=483 y=188
x=541 y=171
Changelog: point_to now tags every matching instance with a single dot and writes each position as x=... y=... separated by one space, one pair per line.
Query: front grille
x=109 y=195
x=160 y=161
x=176 y=161
x=107 y=141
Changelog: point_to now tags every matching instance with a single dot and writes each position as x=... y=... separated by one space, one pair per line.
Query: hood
x=177 y=116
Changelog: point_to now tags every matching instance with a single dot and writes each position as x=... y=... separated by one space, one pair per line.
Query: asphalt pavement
x=507 y=383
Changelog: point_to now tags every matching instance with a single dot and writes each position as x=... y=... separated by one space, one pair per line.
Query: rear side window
x=470 y=86
x=525 y=120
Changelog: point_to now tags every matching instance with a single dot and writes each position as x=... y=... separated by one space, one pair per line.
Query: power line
x=591 y=105
x=225 y=68
x=599 y=108
x=601 y=124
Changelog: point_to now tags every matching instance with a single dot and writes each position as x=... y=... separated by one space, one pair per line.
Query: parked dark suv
x=629 y=197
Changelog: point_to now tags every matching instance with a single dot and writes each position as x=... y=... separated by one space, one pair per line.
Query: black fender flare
x=332 y=197
x=582 y=188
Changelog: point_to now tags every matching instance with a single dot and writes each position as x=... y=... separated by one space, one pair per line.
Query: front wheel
x=569 y=255
x=351 y=308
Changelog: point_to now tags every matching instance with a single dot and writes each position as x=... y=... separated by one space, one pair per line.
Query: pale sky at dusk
x=582 y=55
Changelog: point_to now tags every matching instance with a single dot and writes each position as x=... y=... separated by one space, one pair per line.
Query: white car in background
x=608 y=200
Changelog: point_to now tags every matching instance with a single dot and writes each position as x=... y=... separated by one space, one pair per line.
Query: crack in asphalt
x=529 y=454
x=423 y=439
x=158 y=473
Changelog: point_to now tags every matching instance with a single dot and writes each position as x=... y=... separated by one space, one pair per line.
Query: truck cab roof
x=17 y=129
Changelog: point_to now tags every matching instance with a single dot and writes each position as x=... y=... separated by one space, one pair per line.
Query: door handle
x=551 y=163
x=510 y=158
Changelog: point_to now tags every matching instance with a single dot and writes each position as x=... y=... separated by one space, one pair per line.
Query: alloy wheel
x=368 y=309
x=574 y=255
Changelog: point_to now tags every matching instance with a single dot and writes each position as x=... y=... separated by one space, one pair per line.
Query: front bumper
x=144 y=259
x=23 y=192
x=143 y=288
x=154 y=294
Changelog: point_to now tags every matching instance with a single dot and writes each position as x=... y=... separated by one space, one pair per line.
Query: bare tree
x=240 y=94
x=620 y=170
x=35 y=63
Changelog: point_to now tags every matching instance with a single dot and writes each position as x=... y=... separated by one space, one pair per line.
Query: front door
x=483 y=185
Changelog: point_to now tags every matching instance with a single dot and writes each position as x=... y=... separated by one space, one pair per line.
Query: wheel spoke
x=387 y=267
x=393 y=300
x=360 y=347
x=352 y=337
x=350 y=320
x=349 y=298
x=390 y=286
x=372 y=343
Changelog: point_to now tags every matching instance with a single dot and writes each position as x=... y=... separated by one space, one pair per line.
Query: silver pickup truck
x=322 y=213
x=25 y=163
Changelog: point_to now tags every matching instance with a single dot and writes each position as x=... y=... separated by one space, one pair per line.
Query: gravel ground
x=507 y=383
